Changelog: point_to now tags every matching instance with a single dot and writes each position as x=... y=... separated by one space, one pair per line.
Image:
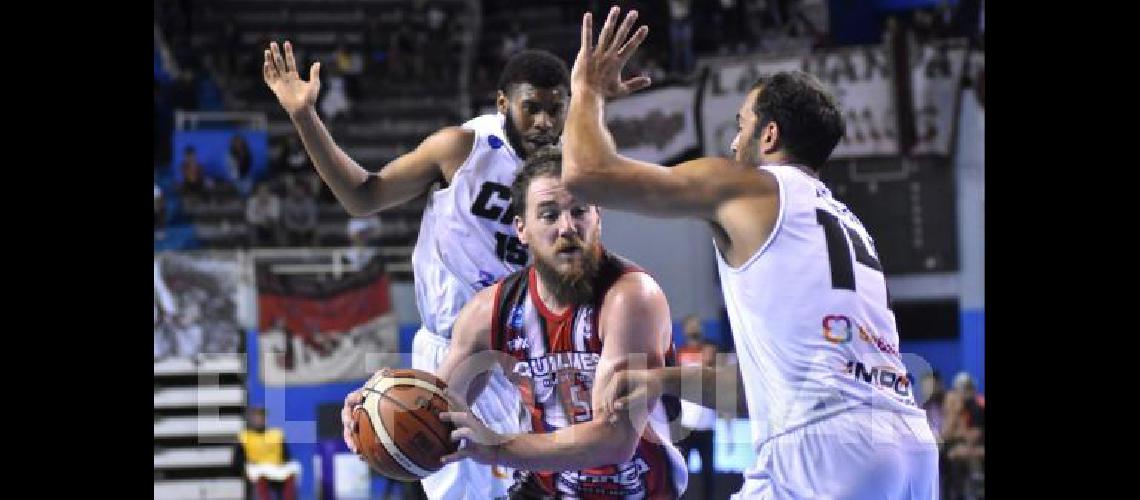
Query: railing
x=193 y=120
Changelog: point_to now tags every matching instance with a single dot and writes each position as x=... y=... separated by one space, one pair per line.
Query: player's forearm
x=343 y=175
x=581 y=446
x=588 y=146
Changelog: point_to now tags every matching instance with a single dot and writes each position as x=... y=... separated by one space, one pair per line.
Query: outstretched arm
x=359 y=191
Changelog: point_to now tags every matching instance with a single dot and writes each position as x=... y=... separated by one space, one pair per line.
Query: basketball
x=398 y=430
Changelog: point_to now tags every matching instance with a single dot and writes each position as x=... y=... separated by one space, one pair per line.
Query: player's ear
x=503 y=103
x=520 y=226
x=769 y=137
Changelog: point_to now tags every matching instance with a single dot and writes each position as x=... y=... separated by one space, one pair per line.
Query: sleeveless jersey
x=556 y=361
x=467 y=240
x=811 y=318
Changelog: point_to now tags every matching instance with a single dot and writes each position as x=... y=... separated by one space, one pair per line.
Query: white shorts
x=498 y=407
x=848 y=456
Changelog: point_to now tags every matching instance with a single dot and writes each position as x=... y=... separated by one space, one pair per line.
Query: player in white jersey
x=832 y=411
x=466 y=240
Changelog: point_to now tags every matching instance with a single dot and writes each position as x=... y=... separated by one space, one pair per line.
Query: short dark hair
x=547 y=161
x=536 y=67
x=809 y=117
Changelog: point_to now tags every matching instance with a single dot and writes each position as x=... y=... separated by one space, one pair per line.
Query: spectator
x=263 y=213
x=240 y=163
x=729 y=21
x=195 y=184
x=963 y=436
x=401 y=49
x=263 y=458
x=934 y=394
x=698 y=420
x=360 y=231
x=299 y=215
x=513 y=41
x=349 y=64
x=335 y=102
x=681 y=36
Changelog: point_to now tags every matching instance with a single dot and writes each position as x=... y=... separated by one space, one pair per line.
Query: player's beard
x=577 y=285
x=513 y=136
x=516 y=138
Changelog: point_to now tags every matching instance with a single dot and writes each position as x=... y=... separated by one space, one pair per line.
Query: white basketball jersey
x=467 y=238
x=810 y=316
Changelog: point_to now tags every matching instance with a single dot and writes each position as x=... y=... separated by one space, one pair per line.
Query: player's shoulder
x=634 y=286
x=730 y=176
x=485 y=298
x=449 y=143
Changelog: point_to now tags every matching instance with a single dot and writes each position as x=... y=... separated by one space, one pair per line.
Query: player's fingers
x=607 y=31
x=623 y=31
x=349 y=440
x=633 y=43
x=462 y=433
x=278 y=62
x=290 y=61
x=460 y=419
x=270 y=70
x=587 y=33
x=455 y=457
x=637 y=83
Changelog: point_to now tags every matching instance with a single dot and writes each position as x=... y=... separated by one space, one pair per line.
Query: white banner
x=654 y=125
x=860 y=78
x=336 y=356
x=196 y=304
x=723 y=95
x=936 y=79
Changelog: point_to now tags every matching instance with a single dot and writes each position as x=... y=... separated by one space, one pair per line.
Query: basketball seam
x=390 y=446
x=445 y=442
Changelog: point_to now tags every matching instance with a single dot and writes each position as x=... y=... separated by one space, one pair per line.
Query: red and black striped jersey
x=556 y=359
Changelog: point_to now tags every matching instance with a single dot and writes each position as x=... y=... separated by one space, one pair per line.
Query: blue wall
x=211 y=147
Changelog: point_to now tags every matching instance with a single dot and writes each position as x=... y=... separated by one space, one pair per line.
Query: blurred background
x=269 y=296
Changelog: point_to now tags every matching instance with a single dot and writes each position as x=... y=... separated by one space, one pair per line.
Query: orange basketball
x=398 y=430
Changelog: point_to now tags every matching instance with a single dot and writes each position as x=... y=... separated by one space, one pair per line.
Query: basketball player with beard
x=562 y=325
x=466 y=240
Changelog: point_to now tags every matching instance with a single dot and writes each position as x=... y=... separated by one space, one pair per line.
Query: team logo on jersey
x=587 y=325
x=837 y=328
x=518 y=344
x=515 y=320
x=494 y=141
x=486 y=279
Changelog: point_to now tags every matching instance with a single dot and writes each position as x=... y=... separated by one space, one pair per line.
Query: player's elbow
x=359 y=202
